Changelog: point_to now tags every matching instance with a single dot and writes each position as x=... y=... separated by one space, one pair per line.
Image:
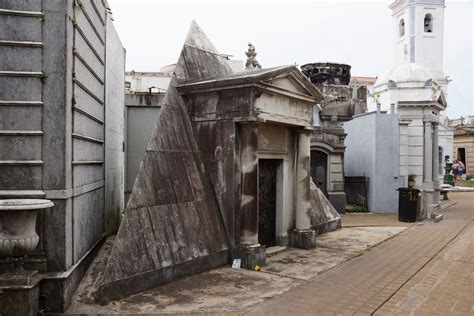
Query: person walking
x=461 y=168
x=455 y=167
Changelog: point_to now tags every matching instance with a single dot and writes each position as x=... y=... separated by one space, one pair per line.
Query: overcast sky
x=358 y=33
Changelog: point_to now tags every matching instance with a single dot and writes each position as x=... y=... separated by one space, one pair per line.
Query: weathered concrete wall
x=88 y=124
x=141 y=115
x=373 y=150
x=216 y=136
x=52 y=123
x=35 y=123
x=114 y=127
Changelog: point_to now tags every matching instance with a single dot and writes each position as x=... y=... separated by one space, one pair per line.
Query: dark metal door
x=357 y=190
x=267 y=177
x=319 y=167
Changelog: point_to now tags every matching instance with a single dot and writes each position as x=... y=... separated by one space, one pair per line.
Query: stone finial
x=251 y=63
x=354 y=85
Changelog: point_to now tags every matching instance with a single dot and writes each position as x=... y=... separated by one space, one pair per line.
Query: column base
x=19 y=293
x=303 y=239
x=250 y=255
x=433 y=210
x=422 y=207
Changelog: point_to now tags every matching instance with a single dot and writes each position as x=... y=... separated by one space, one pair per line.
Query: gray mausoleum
x=61 y=133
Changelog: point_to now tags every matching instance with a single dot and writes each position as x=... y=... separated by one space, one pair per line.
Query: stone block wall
x=88 y=77
x=54 y=115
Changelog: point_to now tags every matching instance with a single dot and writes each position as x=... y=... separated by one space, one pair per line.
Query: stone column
x=249 y=250
x=303 y=236
x=428 y=155
x=435 y=163
x=303 y=178
x=249 y=178
x=403 y=181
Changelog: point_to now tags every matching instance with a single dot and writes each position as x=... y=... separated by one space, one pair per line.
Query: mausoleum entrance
x=267 y=201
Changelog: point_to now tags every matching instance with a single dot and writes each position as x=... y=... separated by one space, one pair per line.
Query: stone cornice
x=433 y=104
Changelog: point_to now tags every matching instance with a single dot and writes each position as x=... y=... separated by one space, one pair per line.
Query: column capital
x=250 y=125
x=303 y=131
x=405 y=122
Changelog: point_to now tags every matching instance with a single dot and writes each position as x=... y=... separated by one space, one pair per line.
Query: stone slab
x=19 y=278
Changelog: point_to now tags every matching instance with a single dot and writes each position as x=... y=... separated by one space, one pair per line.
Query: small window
x=401 y=28
x=428 y=23
x=128 y=84
x=391 y=84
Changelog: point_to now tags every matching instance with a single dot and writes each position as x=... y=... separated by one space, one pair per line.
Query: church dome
x=406 y=72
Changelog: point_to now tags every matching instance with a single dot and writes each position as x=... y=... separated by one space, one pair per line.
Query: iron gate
x=267 y=170
x=357 y=190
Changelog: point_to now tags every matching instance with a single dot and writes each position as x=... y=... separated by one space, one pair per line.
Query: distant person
x=461 y=169
x=455 y=170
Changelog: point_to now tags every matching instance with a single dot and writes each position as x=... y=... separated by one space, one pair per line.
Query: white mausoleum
x=415 y=90
x=410 y=91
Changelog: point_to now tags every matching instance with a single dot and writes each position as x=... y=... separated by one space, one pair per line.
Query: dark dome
x=327 y=73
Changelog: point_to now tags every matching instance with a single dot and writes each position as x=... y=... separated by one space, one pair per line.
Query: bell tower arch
x=419 y=30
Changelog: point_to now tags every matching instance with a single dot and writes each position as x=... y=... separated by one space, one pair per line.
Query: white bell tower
x=419 y=28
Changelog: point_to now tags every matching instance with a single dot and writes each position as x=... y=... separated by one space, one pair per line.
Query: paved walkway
x=227 y=290
x=427 y=269
x=372 y=220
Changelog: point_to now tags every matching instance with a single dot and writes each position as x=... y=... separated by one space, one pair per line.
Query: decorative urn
x=18 y=225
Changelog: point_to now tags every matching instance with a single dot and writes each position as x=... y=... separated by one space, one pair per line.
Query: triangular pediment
x=290 y=83
x=290 y=78
x=284 y=78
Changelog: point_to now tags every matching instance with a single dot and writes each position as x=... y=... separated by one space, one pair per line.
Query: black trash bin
x=407 y=204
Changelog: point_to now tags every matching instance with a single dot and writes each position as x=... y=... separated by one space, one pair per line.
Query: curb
x=448 y=205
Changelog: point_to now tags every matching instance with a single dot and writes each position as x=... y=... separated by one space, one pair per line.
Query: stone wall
x=114 y=127
x=52 y=125
x=36 y=124
x=88 y=123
